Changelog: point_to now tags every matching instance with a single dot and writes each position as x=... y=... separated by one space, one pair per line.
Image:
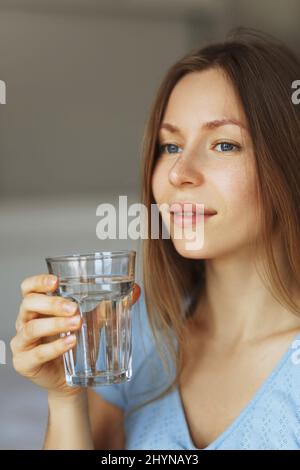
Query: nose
x=185 y=171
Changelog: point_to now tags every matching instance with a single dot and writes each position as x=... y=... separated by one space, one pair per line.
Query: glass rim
x=96 y=255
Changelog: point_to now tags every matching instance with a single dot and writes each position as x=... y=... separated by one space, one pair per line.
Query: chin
x=182 y=247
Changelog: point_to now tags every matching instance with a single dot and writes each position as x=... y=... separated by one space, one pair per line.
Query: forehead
x=203 y=96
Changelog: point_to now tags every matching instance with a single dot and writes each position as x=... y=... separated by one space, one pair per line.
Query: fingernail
x=75 y=320
x=69 y=307
x=69 y=339
x=50 y=281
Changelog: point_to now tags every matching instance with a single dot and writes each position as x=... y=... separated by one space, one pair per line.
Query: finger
x=33 y=330
x=136 y=293
x=39 y=283
x=29 y=361
x=34 y=304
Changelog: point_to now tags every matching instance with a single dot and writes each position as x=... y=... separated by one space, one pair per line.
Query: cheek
x=160 y=182
x=238 y=191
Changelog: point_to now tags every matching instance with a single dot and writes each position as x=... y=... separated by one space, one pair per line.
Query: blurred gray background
x=80 y=77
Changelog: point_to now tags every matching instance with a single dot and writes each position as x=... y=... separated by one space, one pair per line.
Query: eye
x=227 y=147
x=169 y=149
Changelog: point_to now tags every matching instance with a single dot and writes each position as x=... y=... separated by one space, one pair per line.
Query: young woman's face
x=209 y=162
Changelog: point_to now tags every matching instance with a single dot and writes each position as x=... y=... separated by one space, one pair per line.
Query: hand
x=37 y=348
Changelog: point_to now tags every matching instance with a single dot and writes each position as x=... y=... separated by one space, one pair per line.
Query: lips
x=189 y=208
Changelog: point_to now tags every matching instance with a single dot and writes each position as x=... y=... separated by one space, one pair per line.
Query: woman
x=223 y=132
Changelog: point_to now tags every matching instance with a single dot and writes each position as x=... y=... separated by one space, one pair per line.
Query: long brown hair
x=261 y=70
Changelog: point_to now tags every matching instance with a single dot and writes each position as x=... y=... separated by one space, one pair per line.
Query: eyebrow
x=206 y=125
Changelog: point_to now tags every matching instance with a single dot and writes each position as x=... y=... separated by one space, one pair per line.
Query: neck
x=236 y=305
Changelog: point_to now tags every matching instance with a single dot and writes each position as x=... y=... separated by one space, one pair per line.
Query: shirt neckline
x=245 y=410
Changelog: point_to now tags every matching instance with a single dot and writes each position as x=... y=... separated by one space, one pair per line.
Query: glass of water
x=102 y=284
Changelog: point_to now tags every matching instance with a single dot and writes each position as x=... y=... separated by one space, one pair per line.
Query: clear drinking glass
x=101 y=283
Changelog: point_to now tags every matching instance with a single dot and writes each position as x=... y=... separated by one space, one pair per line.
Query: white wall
x=78 y=93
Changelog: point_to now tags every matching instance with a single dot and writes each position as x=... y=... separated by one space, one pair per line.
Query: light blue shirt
x=271 y=420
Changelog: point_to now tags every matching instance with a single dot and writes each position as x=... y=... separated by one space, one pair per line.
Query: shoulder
x=284 y=399
x=289 y=379
x=294 y=363
x=148 y=373
x=142 y=347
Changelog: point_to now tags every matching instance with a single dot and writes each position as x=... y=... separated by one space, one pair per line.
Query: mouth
x=188 y=213
x=188 y=220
